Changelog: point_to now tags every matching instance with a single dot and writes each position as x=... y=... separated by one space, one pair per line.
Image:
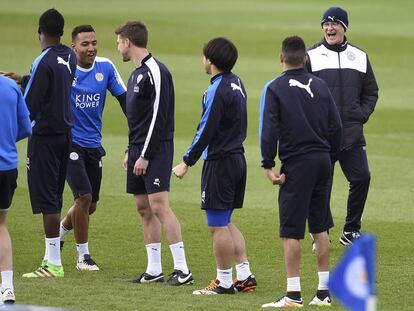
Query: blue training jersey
x=14 y=122
x=88 y=100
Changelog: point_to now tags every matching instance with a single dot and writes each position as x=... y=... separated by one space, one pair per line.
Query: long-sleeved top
x=223 y=126
x=347 y=71
x=14 y=122
x=48 y=90
x=88 y=100
x=150 y=106
x=297 y=116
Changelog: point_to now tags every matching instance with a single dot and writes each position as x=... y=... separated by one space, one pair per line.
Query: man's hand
x=180 y=170
x=125 y=162
x=140 y=167
x=12 y=75
x=275 y=178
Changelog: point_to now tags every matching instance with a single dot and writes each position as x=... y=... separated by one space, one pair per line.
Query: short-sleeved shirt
x=88 y=100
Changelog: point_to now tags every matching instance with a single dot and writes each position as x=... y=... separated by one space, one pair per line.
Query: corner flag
x=353 y=280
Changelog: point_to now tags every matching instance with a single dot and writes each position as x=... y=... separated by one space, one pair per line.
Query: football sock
x=154 y=258
x=82 y=249
x=323 y=280
x=225 y=277
x=46 y=256
x=63 y=232
x=7 y=280
x=293 y=284
x=53 y=251
x=178 y=253
x=243 y=271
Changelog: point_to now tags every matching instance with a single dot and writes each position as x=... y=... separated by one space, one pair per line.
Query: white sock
x=154 y=258
x=293 y=284
x=323 y=280
x=225 y=277
x=63 y=232
x=46 y=256
x=53 y=251
x=243 y=271
x=7 y=280
x=82 y=249
x=178 y=253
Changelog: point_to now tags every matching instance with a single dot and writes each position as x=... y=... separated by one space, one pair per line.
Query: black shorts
x=7 y=186
x=47 y=159
x=85 y=171
x=157 y=177
x=223 y=183
x=305 y=195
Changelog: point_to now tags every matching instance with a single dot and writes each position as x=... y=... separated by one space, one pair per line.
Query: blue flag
x=353 y=280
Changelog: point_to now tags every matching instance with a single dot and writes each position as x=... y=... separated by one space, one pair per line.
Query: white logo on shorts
x=74 y=156
x=28 y=163
x=157 y=182
x=100 y=163
x=203 y=197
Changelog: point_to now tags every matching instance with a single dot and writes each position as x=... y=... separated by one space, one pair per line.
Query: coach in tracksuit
x=348 y=73
x=47 y=94
x=220 y=136
x=300 y=122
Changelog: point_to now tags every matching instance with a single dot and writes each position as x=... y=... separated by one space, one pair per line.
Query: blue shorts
x=218 y=218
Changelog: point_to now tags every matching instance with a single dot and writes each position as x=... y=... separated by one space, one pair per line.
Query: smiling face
x=333 y=32
x=85 y=47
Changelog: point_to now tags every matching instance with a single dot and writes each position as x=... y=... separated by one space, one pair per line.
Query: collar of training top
x=336 y=47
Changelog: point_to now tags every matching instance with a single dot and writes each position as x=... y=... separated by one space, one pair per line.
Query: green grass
x=178 y=30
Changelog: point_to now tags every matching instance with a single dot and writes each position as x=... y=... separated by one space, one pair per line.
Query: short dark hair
x=293 y=50
x=51 y=23
x=221 y=52
x=135 y=31
x=81 y=28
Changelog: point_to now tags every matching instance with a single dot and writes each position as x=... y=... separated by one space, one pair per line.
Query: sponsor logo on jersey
x=83 y=101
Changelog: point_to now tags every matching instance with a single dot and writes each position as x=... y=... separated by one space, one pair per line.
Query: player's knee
x=161 y=210
x=84 y=201
x=143 y=210
x=361 y=179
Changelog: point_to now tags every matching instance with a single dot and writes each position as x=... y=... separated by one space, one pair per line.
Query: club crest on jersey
x=351 y=56
x=99 y=76
x=73 y=156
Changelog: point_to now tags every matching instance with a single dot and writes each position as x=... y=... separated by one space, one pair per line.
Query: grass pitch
x=178 y=30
